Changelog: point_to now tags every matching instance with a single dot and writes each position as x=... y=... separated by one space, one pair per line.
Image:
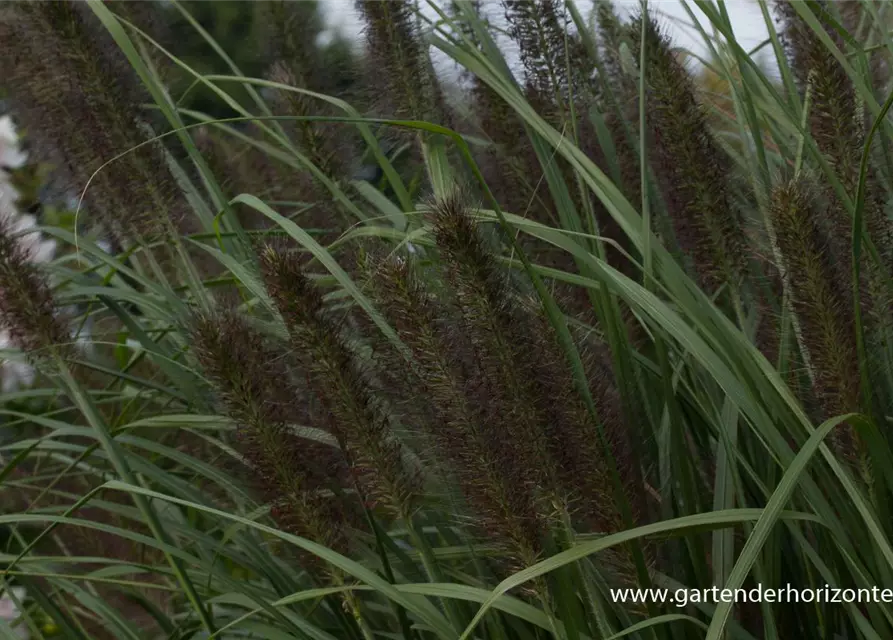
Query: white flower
x=14 y=374
x=10 y=155
x=39 y=250
x=8 y=196
x=9 y=611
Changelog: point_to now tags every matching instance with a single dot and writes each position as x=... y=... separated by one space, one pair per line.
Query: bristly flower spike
x=555 y=62
x=401 y=60
x=818 y=291
x=492 y=325
x=61 y=68
x=28 y=311
x=519 y=366
x=837 y=123
x=693 y=169
x=314 y=138
x=358 y=419
x=254 y=386
x=480 y=456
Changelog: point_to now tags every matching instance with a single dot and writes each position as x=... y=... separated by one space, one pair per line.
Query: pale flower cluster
x=15 y=373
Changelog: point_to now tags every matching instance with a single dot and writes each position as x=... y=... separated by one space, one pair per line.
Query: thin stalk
x=429 y=562
x=83 y=402
x=643 y=163
x=380 y=537
x=542 y=592
x=354 y=607
x=804 y=126
x=566 y=538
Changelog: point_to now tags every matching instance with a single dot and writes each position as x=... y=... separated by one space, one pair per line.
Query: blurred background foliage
x=250 y=35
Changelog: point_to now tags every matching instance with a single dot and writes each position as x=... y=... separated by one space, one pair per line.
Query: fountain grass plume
x=480 y=454
x=334 y=374
x=256 y=389
x=819 y=297
x=27 y=309
x=693 y=169
x=73 y=90
x=399 y=61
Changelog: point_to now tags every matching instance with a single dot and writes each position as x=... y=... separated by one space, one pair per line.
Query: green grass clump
x=451 y=356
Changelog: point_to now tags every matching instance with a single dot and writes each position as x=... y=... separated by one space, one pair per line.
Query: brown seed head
x=27 y=309
x=359 y=419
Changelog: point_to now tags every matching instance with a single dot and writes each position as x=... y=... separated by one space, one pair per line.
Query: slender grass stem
x=112 y=449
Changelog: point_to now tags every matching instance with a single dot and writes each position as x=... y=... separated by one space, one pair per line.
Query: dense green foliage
x=336 y=355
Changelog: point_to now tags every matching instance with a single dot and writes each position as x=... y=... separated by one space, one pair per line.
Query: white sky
x=746 y=18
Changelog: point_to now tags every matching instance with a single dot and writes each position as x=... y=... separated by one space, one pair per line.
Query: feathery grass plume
x=393 y=380
x=528 y=391
x=358 y=419
x=692 y=169
x=480 y=453
x=241 y=167
x=833 y=117
x=291 y=33
x=573 y=440
x=585 y=467
x=838 y=125
x=617 y=243
x=557 y=67
x=149 y=17
x=516 y=177
x=292 y=41
x=837 y=122
x=611 y=35
x=513 y=172
x=27 y=309
x=555 y=61
x=72 y=89
x=291 y=29
x=618 y=98
x=615 y=95
x=314 y=138
x=819 y=298
x=510 y=166
x=496 y=333
x=495 y=330
x=255 y=389
x=400 y=60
